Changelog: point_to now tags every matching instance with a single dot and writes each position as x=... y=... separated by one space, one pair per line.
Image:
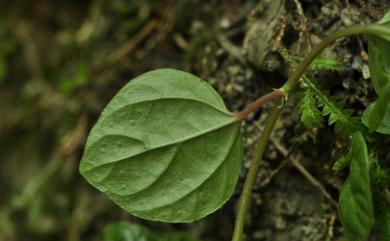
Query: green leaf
x=379 y=59
x=124 y=231
x=377 y=116
x=325 y=63
x=165 y=148
x=385 y=19
x=355 y=201
x=310 y=115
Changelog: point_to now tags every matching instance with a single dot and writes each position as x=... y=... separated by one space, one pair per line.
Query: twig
x=23 y=33
x=304 y=32
x=363 y=53
x=81 y=216
x=229 y=47
x=274 y=172
x=331 y=225
x=294 y=78
x=69 y=145
x=279 y=146
x=280 y=30
x=180 y=41
x=227 y=4
x=163 y=28
x=131 y=44
x=48 y=100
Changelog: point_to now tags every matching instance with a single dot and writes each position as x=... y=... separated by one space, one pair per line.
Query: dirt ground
x=62 y=61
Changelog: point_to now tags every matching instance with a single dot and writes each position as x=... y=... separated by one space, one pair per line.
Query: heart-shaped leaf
x=165 y=148
x=355 y=201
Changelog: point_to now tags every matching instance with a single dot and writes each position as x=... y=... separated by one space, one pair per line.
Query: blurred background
x=62 y=61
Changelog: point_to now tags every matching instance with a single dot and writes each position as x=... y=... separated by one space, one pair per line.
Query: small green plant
x=167 y=149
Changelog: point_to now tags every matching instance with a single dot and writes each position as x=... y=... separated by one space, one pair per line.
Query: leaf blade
x=310 y=115
x=379 y=60
x=355 y=201
x=377 y=115
x=161 y=145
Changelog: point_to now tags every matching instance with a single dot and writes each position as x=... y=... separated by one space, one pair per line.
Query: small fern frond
x=342 y=162
x=310 y=115
x=326 y=63
x=342 y=118
x=319 y=63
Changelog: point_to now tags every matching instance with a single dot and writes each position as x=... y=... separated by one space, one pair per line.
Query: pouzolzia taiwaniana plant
x=166 y=148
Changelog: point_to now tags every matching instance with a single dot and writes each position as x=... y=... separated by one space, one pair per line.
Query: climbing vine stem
x=293 y=81
x=291 y=84
x=251 y=178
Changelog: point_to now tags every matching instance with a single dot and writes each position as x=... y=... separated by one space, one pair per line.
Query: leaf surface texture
x=165 y=148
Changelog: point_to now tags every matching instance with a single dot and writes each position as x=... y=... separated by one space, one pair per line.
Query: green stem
x=250 y=180
x=291 y=83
